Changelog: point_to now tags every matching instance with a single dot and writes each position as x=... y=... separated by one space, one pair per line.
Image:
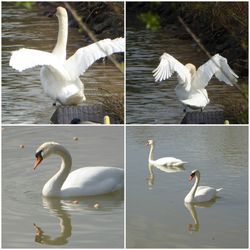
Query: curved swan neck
x=151 y=156
x=62 y=37
x=191 y=193
x=54 y=184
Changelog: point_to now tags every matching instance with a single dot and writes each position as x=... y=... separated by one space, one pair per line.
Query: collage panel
x=41 y=208
x=187 y=187
x=187 y=62
x=39 y=85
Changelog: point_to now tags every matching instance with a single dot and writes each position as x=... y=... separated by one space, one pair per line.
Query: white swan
x=190 y=89
x=60 y=77
x=200 y=193
x=165 y=161
x=85 y=181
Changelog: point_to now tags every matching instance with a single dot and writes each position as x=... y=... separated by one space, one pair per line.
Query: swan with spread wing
x=190 y=89
x=60 y=77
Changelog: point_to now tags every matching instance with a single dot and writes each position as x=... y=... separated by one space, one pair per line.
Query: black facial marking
x=193 y=174
x=39 y=154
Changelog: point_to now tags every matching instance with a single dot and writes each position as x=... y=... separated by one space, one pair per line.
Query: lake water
x=23 y=100
x=155 y=211
x=148 y=102
x=65 y=223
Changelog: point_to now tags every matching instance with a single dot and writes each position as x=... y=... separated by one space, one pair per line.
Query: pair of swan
x=60 y=76
x=85 y=181
x=190 y=89
x=197 y=193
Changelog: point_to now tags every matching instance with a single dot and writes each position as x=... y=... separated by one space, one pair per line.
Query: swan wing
x=28 y=58
x=93 y=181
x=217 y=66
x=168 y=161
x=205 y=193
x=167 y=66
x=84 y=57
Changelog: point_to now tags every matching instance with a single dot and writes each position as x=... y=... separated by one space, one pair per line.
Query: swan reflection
x=191 y=207
x=61 y=210
x=168 y=169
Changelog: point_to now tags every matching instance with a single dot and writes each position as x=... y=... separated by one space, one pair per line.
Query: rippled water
x=23 y=100
x=65 y=223
x=155 y=211
x=156 y=103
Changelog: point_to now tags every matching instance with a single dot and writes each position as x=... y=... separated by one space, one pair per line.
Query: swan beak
x=190 y=178
x=37 y=161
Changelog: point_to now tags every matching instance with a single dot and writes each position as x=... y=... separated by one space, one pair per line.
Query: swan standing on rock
x=60 y=77
x=85 y=181
x=190 y=89
x=200 y=193
x=165 y=161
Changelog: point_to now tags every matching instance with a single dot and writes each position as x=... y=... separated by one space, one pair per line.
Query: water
x=23 y=100
x=155 y=211
x=65 y=223
x=156 y=103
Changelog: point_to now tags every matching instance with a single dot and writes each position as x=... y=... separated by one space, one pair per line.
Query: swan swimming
x=165 y=161
x=200 y=193
x=85 y=181
x=190 y=89
x=60 y=77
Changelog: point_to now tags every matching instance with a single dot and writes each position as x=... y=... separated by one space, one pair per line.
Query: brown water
x=23 y=100
x=156 y=103
x=155 y=211
x=65 y=223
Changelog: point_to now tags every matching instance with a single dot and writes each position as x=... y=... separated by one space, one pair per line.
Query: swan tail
x=218 y=189
x=177 y=164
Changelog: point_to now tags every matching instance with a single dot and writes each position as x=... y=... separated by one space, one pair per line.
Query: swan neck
x=62 y=37
x=151 y=156
x=54 y=184
x=195 y=186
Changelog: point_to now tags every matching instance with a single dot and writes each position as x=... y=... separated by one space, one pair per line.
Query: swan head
x=150 y=142
x=44 y=151
x=191 y=68
x=61 y=12
x=193 y=174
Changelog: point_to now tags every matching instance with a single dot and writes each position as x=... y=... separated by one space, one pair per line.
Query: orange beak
x=190 y=178
x=37 y=161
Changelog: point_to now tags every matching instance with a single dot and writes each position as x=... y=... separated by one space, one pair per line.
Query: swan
x=85 y=181
x=165 y=161
x=200 y=193
x=60 y=77
x=190 y=89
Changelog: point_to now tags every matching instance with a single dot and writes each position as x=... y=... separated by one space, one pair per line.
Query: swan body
x=165 y=161
x=85 y=181
x=200 y=193
x=190 y=89
x=60 y=77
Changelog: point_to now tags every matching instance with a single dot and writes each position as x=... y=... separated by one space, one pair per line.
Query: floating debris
x=75 y=138
x=97 y=205
x=21 y=146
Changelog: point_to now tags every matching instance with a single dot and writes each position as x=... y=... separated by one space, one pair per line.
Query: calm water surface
x=156 y=215
x=65 y=223
x=23 y=100
x=149 y=102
